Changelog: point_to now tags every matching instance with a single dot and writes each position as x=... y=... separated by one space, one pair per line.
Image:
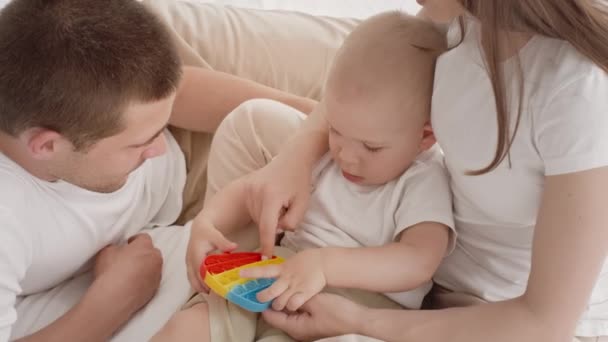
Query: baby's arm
x=222 y=214
x=226 y=210
x=424 y=209
x=398 y=266
x=395 y=267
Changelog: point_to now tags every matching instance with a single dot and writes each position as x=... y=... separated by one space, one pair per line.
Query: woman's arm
x=205 y=97
x=569 y=249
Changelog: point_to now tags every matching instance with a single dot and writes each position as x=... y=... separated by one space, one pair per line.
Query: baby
x=380 y=215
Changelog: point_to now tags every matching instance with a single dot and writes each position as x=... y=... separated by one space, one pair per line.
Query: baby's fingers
x=194 y=280
x=281 y=302
x=297 y=300
x=220 y=241
x=270 y=271
x=273 y=291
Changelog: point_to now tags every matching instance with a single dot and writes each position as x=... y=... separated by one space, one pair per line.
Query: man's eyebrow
x=152 y=138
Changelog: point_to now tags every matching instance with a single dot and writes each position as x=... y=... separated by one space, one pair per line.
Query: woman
x=520 y=110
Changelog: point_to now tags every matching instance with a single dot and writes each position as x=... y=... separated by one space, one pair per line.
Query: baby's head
x=378 y=96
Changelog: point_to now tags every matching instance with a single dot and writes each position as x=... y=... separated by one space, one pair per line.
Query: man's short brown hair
x=74 y=65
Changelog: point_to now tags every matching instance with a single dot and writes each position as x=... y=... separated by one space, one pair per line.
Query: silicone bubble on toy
x=222 y=274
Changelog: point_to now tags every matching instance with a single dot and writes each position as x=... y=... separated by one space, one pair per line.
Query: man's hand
x=126 y=277
x=324 y=315
x=130 y=273
x=298 y=279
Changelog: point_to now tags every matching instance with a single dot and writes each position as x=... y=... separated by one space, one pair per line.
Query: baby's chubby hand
x=204 y=238
x=298 y=279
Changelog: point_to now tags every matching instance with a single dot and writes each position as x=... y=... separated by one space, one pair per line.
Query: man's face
x=106 y=165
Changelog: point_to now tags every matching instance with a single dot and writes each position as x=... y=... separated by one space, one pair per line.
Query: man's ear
x=428 y=137
x=42 y=143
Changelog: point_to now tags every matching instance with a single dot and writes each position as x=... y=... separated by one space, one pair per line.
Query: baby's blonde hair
x=391 y=51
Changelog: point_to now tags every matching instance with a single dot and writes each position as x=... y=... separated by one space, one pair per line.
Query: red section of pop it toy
x=215 y=264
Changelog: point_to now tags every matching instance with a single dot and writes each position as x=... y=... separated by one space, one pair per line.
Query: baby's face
x=372 y=140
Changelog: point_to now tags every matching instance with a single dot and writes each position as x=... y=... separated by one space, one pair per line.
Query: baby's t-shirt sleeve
x=425 y=196
x=571 y=130
x=15 y=256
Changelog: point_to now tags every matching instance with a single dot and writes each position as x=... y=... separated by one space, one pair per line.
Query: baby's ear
x=428 y=138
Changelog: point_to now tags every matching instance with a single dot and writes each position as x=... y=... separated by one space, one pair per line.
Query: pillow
x=290 y=51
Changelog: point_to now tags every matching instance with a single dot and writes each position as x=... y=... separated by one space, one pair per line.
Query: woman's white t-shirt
x=563 y=129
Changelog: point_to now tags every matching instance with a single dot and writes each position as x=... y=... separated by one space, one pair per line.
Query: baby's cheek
x=333 y=148
x=389 y=167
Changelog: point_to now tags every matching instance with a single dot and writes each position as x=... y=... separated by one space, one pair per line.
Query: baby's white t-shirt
x=345 y=214
x=563 y=129
x=49 y=231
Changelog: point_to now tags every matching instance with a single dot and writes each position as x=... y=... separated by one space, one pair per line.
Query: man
x=87 y=89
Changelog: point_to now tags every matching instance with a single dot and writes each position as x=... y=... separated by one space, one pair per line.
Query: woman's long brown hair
x=582 y=23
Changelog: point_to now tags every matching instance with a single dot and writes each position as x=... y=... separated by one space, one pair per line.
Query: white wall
x=342 y=8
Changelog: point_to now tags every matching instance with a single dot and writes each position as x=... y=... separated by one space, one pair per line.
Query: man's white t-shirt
x=345 y=214
x=563 y=129
x=49 y=231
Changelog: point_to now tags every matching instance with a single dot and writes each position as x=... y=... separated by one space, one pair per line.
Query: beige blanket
x=264 y=46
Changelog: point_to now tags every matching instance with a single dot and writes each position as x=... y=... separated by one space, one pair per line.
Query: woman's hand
x=324 y=315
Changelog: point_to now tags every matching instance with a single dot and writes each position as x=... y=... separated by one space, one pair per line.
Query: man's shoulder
x=16 y=208
x=16 y=185
x=12 y=233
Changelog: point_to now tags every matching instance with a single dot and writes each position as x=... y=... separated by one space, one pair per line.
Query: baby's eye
x=372 y=148
x=333 y=131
